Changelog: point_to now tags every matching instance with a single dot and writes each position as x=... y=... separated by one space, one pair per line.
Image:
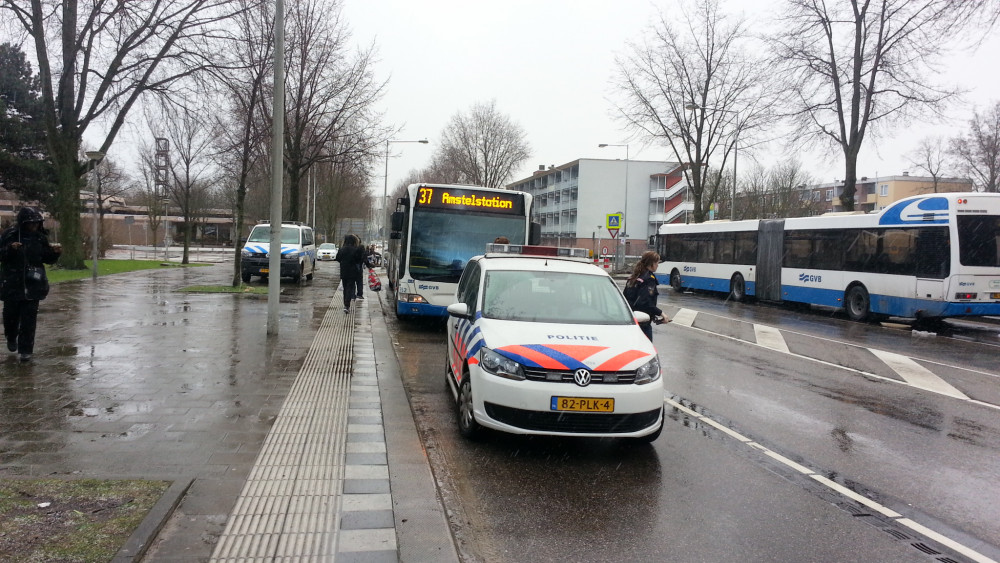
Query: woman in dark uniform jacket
x=642 y=293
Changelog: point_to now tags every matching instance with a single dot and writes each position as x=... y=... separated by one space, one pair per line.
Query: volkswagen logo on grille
x=581 y=377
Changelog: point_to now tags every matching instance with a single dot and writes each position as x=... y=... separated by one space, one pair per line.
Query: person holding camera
x=641 y=291
x=24 y=248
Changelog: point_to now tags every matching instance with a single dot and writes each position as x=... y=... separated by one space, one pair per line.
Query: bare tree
x=331 y=95
x=858 y=67
x=693 y=86
x=95 y=60
x=978 y=151
x=192 y=170
x=930 y=157
x=483 y=146
x=110 y=182
x=243 y=126
x=147 y=193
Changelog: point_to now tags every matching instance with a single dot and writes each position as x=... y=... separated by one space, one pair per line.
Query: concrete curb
x=422 y=529
x=144 y=535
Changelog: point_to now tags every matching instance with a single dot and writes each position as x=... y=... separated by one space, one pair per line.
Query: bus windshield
x=979 y=240
x=442 y=242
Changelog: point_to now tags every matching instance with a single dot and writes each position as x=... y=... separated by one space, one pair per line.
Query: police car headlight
x=648 y=372
x=293 y=255
x=499 y=365
x=246 y=253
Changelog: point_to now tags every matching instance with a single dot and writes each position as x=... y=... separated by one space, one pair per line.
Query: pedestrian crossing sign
x=614 y=223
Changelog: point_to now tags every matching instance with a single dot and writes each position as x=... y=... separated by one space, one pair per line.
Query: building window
x=829 y=195
x=883 y=190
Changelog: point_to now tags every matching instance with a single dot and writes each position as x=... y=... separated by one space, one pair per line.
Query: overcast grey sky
x=549 y=64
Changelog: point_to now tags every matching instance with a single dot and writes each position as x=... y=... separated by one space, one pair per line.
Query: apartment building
x=572 y=201
x=874 y=194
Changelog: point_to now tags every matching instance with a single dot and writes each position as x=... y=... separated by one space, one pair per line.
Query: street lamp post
x=93 y=158
x=736 y=149
x=623 y=232
x=385 y=187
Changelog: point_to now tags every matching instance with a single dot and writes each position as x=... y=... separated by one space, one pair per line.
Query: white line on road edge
x=840 y=489
x=916 y=374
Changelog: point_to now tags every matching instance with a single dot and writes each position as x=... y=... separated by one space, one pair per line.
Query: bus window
x=724 y=248
x=860 y=249
x=827 y=250
x=979 y=240
x=746 y=248
x=798 y=247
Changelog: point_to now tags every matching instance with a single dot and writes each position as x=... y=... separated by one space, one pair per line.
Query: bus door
x=770 y=249
x=932 y=257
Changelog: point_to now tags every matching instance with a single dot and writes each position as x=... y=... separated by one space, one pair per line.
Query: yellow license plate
x=995 y=296
x=264 y=271
x=578 y=404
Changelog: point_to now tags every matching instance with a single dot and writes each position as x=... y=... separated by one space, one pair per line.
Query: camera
x=658 y=320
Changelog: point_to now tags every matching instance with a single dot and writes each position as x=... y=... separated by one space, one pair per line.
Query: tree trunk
x=850 y=180
x=67 y=212
x=294 y=177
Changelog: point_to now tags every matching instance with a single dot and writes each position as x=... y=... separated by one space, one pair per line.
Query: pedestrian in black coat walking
x=24 y=248
x=350 y=256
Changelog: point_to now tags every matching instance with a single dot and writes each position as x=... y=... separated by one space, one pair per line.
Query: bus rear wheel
x=738 y=288
x=857 y=303
x=675 y=280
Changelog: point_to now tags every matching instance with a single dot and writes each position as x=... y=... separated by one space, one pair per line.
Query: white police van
x=298 y=252
x=541 y=341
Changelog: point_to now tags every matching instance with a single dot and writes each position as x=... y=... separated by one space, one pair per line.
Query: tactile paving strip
x=288 y=508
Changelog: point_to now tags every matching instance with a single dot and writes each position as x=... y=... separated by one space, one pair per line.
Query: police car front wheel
x=467 y=425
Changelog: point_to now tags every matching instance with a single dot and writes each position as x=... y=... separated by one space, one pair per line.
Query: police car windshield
x=289 y=235
x=553 y=297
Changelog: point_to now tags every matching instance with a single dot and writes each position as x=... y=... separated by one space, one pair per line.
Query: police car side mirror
x=458 y=310
x=640 y=317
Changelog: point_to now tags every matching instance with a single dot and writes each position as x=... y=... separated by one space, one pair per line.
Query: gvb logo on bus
x=806 y=278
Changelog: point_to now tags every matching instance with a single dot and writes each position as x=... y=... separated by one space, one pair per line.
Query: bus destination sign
x=447 y=197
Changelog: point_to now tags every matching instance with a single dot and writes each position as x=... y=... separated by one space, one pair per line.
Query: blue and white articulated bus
x=436 y=229
x=925 y=257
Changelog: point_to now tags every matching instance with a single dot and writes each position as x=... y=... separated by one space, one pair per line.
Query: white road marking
x=770 y=337
x=840 y=489
x=684 y=317
x=916 y=374
x=687 y=318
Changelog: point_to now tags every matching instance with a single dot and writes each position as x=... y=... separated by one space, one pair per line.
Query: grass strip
x=109 y=267
x=49 y=520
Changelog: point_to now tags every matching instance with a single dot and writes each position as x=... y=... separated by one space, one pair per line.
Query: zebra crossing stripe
x=684 y=317
x=770 y=337
x=916 y=374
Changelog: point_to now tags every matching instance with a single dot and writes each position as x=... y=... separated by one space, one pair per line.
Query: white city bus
x=925 y=257
x=436 y=229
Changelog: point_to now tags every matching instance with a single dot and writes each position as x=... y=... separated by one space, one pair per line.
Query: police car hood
x=569 y=347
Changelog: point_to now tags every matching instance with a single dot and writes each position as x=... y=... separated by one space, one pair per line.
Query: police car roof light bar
x=533 y=250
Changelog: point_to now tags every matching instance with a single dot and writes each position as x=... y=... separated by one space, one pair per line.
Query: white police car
x=542 y=342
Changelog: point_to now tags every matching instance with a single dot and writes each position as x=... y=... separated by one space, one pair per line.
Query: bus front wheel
x=738 y=288
x=675 y=280
x=857 y=303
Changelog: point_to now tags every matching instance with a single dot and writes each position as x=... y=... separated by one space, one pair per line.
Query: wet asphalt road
x=698 y=494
